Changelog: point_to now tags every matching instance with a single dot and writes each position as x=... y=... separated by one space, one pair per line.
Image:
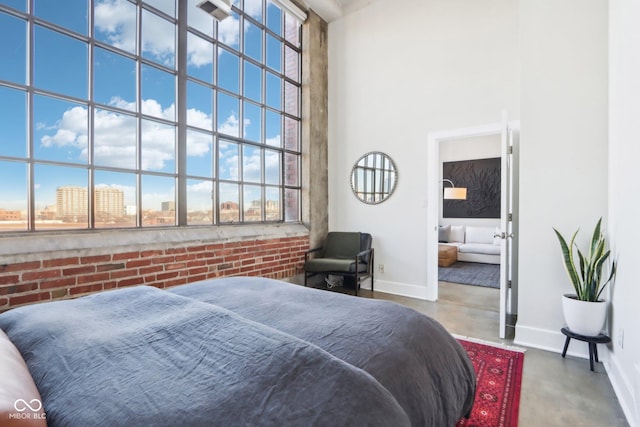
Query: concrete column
x=315 y=190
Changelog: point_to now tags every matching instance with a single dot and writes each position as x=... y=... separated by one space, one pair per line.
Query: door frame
x=434 y=195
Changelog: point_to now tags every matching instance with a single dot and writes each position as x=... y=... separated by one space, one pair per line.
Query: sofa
x=474 y=244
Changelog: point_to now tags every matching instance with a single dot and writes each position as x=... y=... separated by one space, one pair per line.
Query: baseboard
x=549 y=340
x=402 y=289
x=624 y=389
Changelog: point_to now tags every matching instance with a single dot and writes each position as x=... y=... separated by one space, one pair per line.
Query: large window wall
x=117 y=113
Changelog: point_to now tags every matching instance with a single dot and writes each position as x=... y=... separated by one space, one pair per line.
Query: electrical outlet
x=621 y=338
x=381 y=268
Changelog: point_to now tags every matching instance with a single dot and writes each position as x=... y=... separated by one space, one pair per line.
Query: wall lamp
x=453 y=192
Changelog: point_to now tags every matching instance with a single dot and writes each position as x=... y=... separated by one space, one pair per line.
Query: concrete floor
x=555 y=391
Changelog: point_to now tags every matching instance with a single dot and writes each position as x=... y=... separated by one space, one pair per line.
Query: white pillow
x=443 y=233
x=456 y=233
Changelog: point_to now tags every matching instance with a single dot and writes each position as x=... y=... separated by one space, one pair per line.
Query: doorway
x=507 y=231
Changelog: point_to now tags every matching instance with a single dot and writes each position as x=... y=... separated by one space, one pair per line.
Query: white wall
x=624 y=202
x=454 y=150
x=563 y=151
x=395 y=74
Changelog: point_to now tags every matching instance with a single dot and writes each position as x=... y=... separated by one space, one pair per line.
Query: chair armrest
x=363 y=253
x=310 y=251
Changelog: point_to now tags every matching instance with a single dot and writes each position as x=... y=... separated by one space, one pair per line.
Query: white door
x=505 y=225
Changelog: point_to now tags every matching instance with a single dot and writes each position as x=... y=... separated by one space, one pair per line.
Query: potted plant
x=585 y=311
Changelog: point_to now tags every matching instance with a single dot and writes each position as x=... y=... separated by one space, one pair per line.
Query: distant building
x=72 y=202
x=109 y=201
x=6 y=215
x=168 y=206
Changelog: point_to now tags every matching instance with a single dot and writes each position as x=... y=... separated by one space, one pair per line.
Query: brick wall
x=66 y=277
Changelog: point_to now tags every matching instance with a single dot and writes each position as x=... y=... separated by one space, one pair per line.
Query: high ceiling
x=330 y=10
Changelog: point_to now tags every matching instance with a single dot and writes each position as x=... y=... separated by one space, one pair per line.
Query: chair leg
x=305 y=278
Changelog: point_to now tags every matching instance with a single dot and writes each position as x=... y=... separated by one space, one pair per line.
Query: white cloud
x=71 y=130
x=229 y=31
x=117 y=18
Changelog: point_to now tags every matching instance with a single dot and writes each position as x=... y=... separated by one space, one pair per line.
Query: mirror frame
x=375 y=164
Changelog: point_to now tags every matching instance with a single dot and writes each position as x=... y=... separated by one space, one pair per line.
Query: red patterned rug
x=499 y=375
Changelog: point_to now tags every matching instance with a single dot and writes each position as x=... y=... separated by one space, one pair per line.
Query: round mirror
x=373 y=178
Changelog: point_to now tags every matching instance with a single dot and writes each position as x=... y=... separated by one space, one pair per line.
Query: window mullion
x=181 y=110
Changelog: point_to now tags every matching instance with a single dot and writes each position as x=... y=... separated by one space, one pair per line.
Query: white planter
x=584 y=317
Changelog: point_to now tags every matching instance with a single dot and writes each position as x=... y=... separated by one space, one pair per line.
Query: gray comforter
x=411 y=355
x=142 y=356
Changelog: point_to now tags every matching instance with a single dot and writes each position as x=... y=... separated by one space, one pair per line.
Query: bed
x=240 y=351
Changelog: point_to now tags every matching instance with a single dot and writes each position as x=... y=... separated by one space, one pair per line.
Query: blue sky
x=61 y=127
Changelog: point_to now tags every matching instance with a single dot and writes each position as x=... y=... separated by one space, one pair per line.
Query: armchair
x=347 y=254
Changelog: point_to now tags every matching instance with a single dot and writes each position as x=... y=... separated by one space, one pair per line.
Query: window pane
x=199 y=154
x=114 y=80
x=251 y=164
x=114 y=139
x=158 y=201
x=291 y=30
x=274 y=18
x=273 y=129
x=291 y=134
x=272 y=167
x=199 y=19
x=252 y=122
x=158 y=39
x=166 y=6
x=158 y=93
x=115 y=199
x=291 y=205
x=199 y=106
x=228 y=107
x=291 y=64
x=228 y=71
x=291 y=169
x=13 y=198
x=48 y=74
x=252 y=197
x=71 y=14
x=253 y=8
x=274 y=53
x=229 y=202
x=252 y=82
x=158 y=148
x=16 y=4
x=291 y=99
x=252 y=41
x=199 y=58
x=199 y=202
x=60 y=130
x=13 y=122
x=229 y=31
x=228 y=160
x=61 y=197
x=13 y=66
x=272 y=204
x=274 y=91
x=115 y=23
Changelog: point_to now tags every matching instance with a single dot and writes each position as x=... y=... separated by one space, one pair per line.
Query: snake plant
x=587 y=277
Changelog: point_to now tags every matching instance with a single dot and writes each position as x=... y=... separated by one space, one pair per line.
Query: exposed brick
x=119 y=274
x=224 y=266
x=110 y=285
x=201 y=248
x=39 y=274
x=91 y=278
x=143 y=262
x=58 y=283
x=130 y=282
x=125 y=256
x=152 y=269
x=169 y=275
x=109 y=267
x=176 y=266
x=25 y=299
x=185 y=257
x=8 y=280
x=151 y=254
x=74 y=271
x=21 y=266
x=17 y=289
x=95 y=259
x=59 y=293
x=60 y=262
x=4 y=301
x=176 y=251
x=248 y=261
x=163 y=260
x=175 y=282
x=85 y=289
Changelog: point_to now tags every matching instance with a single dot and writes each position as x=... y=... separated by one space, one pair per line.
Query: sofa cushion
x=479 y=248
x=456 y=233
x=479 y=235
x=443 y=233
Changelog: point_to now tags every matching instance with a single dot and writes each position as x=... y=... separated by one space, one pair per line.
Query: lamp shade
x=455 y=193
